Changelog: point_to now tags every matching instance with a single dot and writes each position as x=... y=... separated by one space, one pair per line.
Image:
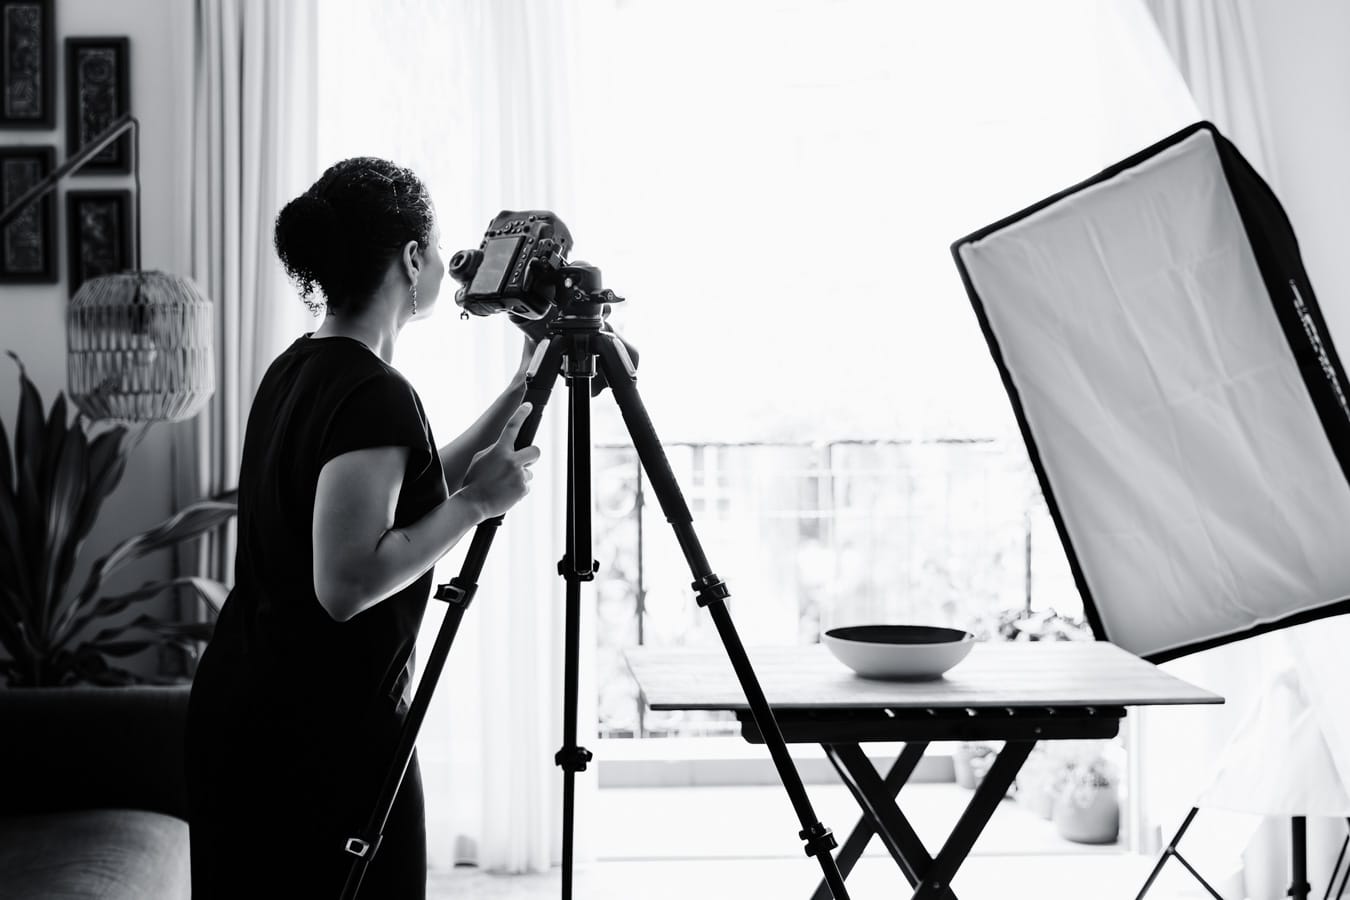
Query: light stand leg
x=1170 y=851
x=1299 y=888
x=712 y=594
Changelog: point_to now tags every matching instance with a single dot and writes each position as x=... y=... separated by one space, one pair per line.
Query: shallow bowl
x=899 y=652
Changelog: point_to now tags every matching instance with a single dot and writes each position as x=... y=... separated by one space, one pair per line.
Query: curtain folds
x=1213 y=43
x=251 y=150
x=492 y=751
x=477 y=98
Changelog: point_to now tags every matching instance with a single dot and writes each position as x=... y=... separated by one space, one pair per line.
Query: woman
x=345 y=504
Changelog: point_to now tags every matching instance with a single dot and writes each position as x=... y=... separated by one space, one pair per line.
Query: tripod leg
x=712 y=592
x=576 y=566
x=362 y=846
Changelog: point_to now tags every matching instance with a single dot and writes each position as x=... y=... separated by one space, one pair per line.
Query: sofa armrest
x=93 y=747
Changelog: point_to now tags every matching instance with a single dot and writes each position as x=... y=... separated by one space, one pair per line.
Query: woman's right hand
x=499 y=476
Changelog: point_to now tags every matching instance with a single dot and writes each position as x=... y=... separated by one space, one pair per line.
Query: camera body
x=512 y=269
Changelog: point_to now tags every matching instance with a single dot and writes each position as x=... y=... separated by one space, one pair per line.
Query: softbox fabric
x=1179 y=395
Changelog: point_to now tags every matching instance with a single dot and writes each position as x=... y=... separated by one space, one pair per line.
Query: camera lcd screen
x=498 y=255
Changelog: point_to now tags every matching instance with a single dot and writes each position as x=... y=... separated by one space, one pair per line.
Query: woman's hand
x=499 y=476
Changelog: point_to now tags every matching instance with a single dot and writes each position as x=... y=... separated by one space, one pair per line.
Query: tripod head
x=521 y=268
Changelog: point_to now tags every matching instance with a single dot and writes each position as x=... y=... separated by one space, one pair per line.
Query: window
x=774 y=187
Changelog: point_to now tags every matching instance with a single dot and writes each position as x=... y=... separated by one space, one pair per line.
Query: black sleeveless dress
x=293 y=716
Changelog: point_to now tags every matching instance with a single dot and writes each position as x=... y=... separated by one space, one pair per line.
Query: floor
x=733 y=842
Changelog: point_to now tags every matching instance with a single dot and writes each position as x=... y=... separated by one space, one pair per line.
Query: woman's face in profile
x=432 y=272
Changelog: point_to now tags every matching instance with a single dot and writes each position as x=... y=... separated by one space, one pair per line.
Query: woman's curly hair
x=342 y=233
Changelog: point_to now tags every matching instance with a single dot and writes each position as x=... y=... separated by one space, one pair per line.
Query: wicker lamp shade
x=140 y=347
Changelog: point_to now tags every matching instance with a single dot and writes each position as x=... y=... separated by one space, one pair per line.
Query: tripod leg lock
x=819 y=839
x=573 y=759
x=458 y=592
x=711 y=589
x=567 y=570
x=362 y=848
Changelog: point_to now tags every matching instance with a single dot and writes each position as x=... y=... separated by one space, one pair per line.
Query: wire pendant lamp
x=140 y=347
x=139 y=342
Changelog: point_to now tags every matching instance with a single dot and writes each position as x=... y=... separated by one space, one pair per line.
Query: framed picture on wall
x=98 y=225
x=98 y=91
x=28 y=247
x=27 y=64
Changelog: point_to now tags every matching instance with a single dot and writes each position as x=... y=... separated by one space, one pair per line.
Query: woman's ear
x=412 y=259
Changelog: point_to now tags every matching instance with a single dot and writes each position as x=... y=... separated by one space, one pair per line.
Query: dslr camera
x=514 y=268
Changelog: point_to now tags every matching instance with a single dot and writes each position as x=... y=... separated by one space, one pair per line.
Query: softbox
x=1179 y=395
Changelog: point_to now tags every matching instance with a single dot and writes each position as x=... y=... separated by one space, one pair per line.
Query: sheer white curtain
x=1213 y=45
x=250 y=149
x=475 y=96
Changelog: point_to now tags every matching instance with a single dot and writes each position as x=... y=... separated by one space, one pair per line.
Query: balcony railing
x=810 y=537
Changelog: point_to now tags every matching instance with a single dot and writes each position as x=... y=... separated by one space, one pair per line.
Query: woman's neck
x=369 y=328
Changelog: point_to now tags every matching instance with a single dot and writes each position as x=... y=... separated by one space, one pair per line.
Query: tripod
x=577 y=348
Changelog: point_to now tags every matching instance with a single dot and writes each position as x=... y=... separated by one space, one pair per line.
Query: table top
x=995 y=674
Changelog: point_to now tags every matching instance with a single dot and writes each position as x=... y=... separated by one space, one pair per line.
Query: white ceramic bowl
x=908 y=652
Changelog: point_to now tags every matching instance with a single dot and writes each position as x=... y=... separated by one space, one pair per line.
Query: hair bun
x=309 y=240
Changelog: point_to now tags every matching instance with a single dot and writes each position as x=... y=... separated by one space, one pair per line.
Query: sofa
x=93 y=799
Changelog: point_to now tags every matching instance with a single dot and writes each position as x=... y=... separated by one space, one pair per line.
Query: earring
x=412 y=289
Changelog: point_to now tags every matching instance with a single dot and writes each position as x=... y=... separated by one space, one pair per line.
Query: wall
x=32 y=317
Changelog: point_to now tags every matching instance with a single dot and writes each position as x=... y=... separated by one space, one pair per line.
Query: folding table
x=1015 y=692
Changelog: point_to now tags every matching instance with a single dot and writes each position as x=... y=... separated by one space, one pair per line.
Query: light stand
x=577 y=348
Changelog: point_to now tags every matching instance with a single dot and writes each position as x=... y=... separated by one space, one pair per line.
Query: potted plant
x=1087 y=805
x=1026 y=624
x=1016 y=624
x=971 y=762
x=52 y=485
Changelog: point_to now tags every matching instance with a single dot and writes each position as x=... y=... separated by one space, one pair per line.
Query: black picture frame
x=98 y=91
x=28 y=247
x=27 y=64
x=98 y=229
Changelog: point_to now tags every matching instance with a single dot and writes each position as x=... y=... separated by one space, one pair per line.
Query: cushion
x=112 y=854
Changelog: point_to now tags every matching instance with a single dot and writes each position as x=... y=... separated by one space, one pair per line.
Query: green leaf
x=14 y=627
x=120 y=648
x=106 y=462
x=213 y=592
x=28 y=425
x=13 y=563
x=53 y=439
x=108 y=454
x=189 y=522
x=6 y=467
x=68 y=491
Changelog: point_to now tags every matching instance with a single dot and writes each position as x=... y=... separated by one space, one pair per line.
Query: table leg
x=878 y=804
x=937 y=877
x=862 y=833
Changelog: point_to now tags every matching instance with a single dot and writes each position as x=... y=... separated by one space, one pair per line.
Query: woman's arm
x=456 y=455
x=360 y=558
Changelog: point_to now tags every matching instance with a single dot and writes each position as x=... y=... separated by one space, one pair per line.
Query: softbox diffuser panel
x=1178 y=394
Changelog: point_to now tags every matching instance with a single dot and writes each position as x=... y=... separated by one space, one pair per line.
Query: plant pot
x=1038 y=797
x=966 y=774
x=1088 y=815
